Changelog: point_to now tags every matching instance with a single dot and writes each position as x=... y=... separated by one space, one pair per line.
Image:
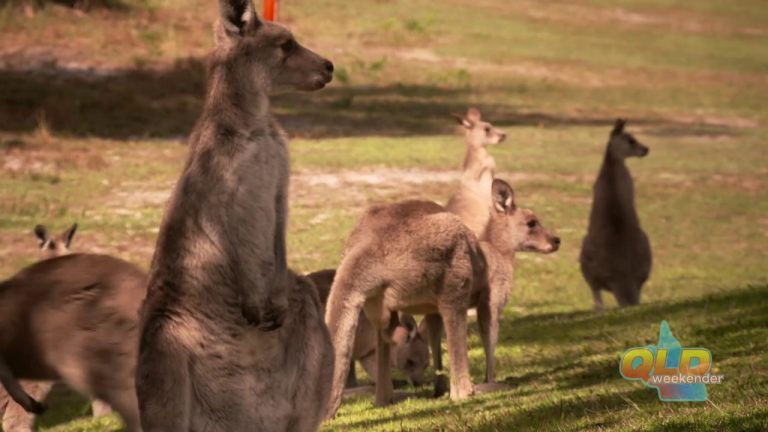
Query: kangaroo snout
x=328 y=66
x=326 y=76
x=644 y=151
x=555 y=244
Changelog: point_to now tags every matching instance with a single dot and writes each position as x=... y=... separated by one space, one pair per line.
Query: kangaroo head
x=266 y=52
x=622 y=145
x=514 y=229
x=411 y=350
x=479 y=133
x=52 y=247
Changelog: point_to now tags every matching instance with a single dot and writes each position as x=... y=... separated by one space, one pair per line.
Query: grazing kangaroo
x=616 y=254
x=73 y=318
x=410 y=353
x=510 y=229
x=414 y=257
x=218 y=349
x=15 y=418
x=472 y=200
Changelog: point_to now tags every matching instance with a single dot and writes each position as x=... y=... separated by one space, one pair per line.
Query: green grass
x=690 y=76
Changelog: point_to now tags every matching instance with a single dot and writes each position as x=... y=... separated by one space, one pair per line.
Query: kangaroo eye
x=532 y=223
x=410 y=362
x=487 y=129
x=288 y=46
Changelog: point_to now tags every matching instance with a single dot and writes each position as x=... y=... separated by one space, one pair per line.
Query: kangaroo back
x=73 y=318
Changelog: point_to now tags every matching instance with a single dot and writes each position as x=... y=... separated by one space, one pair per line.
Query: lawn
x=95 y=135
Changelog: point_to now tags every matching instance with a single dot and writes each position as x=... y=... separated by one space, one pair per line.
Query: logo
x=679 y=374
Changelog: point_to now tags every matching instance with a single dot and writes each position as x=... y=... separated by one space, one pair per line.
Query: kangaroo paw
x=441 y=386
x=273 y=317
x=268 y=317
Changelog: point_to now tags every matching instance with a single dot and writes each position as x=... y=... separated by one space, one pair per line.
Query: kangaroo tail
x=16 y=392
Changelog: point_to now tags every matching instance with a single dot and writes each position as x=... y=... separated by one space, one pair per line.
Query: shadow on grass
x=68 y=405
x=566 y=328
x=126 y=104
x=756 y=421
x=550 y=412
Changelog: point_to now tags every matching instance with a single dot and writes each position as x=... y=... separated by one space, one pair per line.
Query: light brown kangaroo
x=73 y=318
x=15 y=417
x=414 y=257
x=510 y=229
x=409 y=353
x=472 y=199
x=218 y=350
x=616 y=253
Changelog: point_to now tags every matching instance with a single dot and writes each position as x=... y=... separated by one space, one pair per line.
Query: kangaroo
x=15 y=418
x=616 y=253
x=51 y=247
x=73 y=318
x=410 y=353
x=414 y=257
x=510 y=229
x=218 y=351
x=472 y=200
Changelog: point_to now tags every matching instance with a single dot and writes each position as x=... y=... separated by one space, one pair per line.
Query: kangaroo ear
x=463 y=120
x=66 y=237
x=503 y=196
x=473 y=114
x=42 y=235
x=235 y=16
x=618 y=127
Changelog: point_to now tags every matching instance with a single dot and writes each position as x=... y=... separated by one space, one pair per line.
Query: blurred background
x=97 y=97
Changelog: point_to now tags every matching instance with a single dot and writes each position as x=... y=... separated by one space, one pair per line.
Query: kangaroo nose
x=329 y=66
x=556 y=242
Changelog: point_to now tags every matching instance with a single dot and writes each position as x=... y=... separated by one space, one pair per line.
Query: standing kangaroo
x=510 y=229
x=73 y=318
x=15 y=417
x=616 y=254
x=472 y=200
x=218 y=349
x=410 y=353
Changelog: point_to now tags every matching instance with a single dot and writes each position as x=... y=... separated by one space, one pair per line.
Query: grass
x=102 y=147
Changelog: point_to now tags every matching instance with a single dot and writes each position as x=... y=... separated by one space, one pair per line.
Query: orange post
x=270 y=10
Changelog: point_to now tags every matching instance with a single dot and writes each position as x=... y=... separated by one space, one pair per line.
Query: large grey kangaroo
x=510 y=229
x=73 y=318
x=219 y=350
x=472 y=199
x=616 y=253
x=15 y=417
x=409 y=354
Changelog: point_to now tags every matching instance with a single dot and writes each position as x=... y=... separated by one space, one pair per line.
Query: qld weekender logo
x=679 y=374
